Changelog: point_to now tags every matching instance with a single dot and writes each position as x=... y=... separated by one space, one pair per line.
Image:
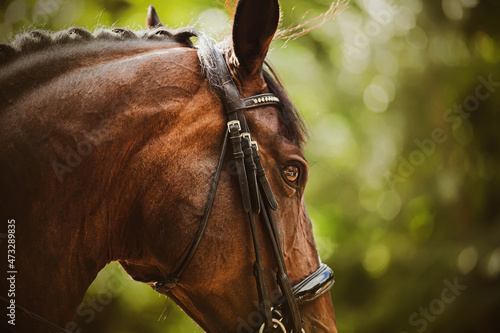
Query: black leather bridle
x=257 y=199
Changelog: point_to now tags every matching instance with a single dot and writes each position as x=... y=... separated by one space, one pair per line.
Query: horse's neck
x=70 y=149
x=36 y=69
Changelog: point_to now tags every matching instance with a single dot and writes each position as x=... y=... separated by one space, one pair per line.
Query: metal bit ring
x=278 y=324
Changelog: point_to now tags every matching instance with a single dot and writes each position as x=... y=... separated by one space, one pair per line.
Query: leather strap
x=282 y=274
x=251 y=172
x=173 y=279
x=238 y=155
x=264 y=183
x=260 y=277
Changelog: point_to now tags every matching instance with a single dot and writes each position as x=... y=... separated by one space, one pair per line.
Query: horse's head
x=214 y=281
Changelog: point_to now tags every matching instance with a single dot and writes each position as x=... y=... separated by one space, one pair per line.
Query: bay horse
x=110 y=150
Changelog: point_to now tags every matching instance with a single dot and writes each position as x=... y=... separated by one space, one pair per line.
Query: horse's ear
x=152 y=20
x=255 y=23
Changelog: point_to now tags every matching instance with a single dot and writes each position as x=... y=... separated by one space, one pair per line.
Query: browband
x=260 y=100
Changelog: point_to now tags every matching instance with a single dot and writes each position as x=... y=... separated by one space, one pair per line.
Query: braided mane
x=38 y=40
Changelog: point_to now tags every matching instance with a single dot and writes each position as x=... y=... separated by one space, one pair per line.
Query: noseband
x=257 y=199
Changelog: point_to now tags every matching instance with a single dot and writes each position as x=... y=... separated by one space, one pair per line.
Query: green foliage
x=404 y=186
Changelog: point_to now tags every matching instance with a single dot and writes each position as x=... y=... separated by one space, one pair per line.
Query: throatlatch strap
x=173 y=279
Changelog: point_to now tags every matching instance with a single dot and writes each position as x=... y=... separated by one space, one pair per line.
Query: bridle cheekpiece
x=257 y=199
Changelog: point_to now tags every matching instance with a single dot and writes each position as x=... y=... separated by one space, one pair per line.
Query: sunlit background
x=402 y=100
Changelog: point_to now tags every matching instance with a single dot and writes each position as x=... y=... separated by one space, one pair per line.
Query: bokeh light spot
x=389 y=205
x=485 y=45
x=386 y=84
x=368 y=197
x=448 y=185
x=417 y=37
x=214 y=20
x=15 y=12
x=375 y=98
x=386 y=63
x=467 y=259
x=453 y=9
x=422 y=225
x=376 y=260
x=493 y=264
x=405 y=20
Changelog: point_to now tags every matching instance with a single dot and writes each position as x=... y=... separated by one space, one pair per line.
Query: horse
x=110 y=150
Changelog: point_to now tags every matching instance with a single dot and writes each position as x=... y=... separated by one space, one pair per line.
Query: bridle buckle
x=252 y=143
x=232 y=123
x=246 y=135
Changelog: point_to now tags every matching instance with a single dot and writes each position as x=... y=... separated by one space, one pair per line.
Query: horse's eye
x=291 y=173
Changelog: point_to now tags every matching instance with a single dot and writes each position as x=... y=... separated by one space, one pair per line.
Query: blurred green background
x=402 y=100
